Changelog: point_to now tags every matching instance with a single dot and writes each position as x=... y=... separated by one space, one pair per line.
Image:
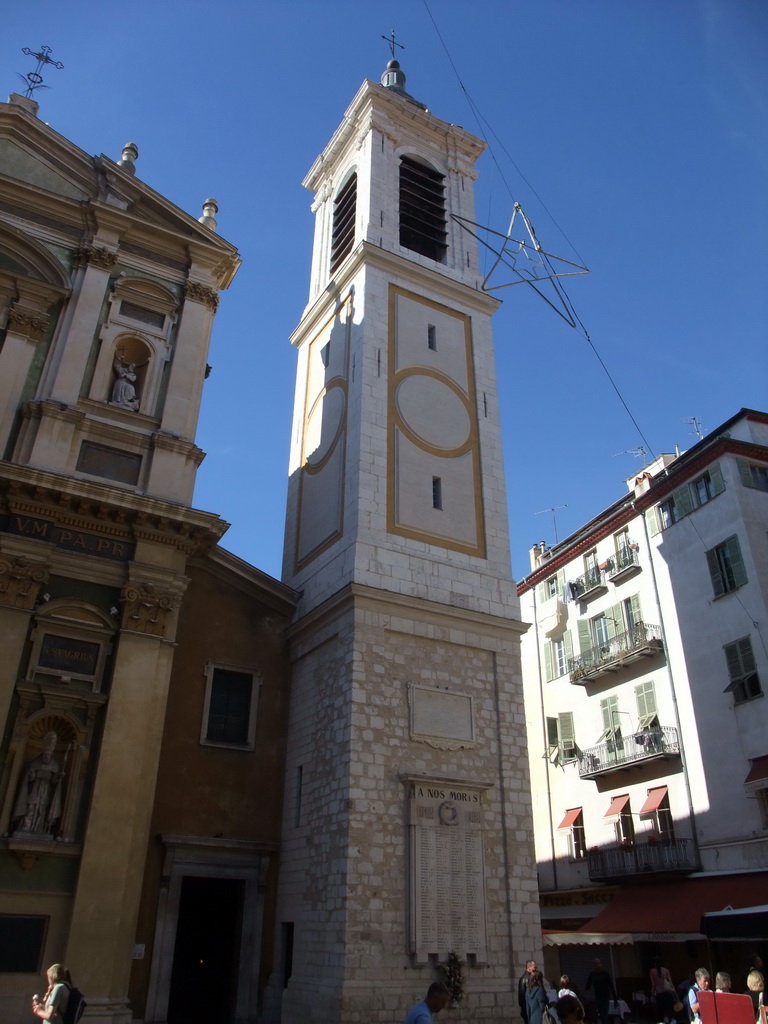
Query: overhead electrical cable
x=559 y=288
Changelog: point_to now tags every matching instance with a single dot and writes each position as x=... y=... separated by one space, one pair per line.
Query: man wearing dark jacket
x=522 y=985
x=600 y=980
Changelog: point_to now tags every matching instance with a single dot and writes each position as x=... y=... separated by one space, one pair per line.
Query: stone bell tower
x=406 y=832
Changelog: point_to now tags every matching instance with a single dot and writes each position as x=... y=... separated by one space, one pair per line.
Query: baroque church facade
x=223 y=796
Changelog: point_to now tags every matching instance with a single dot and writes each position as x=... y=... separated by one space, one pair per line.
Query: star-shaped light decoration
x=527 y=261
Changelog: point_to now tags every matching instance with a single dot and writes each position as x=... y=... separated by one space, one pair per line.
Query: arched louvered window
x=422 y=209
x=343 y=238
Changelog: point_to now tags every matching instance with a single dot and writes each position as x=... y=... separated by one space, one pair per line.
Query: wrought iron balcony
x=590 y=584
x=642 y=641
x=669 y=856
x=625 y=563
x=621 y=751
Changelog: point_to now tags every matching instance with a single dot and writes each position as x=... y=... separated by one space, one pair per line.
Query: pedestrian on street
x=701 y=984
x=600 y=981
x=522 y=985
x=436 y=999
x=536 y=999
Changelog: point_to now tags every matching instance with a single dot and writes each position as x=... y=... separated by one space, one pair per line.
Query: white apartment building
x=644 y=675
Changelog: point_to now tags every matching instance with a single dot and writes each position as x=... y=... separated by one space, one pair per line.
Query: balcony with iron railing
x=623 y=751
x=657 y=856
x=642 y=641
x=590 y=584
x=625 y=563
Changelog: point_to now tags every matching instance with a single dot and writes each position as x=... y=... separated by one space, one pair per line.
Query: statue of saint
x=38 y=801
x=124 y=390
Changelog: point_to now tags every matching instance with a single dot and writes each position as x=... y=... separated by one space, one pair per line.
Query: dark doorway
x=207 y=952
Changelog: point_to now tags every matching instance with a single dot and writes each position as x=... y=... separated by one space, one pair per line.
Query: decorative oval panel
x=433 y=411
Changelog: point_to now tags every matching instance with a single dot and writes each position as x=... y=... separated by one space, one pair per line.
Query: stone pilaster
x=26 y=326
x=185 y=387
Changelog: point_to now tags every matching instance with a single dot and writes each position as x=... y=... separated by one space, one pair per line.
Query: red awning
x=757 y=777
x=617 y=805
x=655 y=799
x=677 y=906
x=570 y=817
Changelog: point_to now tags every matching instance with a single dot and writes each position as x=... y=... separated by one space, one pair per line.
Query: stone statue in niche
x=124 y=389
x=39 y=799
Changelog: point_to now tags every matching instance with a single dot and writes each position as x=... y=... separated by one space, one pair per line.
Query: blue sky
x=633 y=132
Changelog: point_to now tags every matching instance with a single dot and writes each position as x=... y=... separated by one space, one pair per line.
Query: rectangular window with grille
x=422 y=209
x=230 y=707
x=742 y=670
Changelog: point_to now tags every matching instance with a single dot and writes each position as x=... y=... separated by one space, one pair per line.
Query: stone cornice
x=27 y=321
x=234 y=571
x=356 y=596
x=100 y=509
x=410 y=276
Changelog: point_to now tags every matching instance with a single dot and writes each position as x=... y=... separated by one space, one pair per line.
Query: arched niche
x=53 y=732
x=135 y=343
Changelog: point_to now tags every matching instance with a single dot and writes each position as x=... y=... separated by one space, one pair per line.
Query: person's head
x=56 y=974
x=597 y=965
x=438 y=996
x=531 y=965
x=569 y=1010
x=702 y=977
x=535 y=978
x=755 y=981
x=755 y=962
x=657 y=962
x=723 y=981
x=565 y=981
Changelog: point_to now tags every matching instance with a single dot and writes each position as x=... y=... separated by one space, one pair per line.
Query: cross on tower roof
x=393 y=43
x=34 y=80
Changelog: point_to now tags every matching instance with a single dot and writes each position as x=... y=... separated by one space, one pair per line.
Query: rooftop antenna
x=639 y=452
x=696 y=424
x=527 y=260
x=392 y=43
x=554 y=520
x=34 y=80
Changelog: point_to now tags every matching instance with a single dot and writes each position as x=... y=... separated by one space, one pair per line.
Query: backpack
x=76 y=1005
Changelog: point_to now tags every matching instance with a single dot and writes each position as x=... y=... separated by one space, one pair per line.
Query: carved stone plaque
x=447 y=876
x=441 y=718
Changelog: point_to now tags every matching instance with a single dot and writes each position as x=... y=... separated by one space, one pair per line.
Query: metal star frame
x=527 y=260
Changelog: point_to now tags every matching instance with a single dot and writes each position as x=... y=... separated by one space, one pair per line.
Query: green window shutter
x=636 y=610
x=737 y=563
x=683 y=500
x=652 y=520
x=585 y=636
x=645 y=695
x=548 y=670
x=560 y=582
x=714 y=571
x=608 y=706
x=568 y=645
x=733 y=659
x=567 y=738
x=541 y=593
x=745 y=472
x=614 y=621
x=745 y=653
x=716 y=476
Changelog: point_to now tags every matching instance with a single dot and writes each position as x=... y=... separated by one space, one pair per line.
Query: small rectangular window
x=753 y=475
x=726 y=567
x=431 y=337
x=668 y=512
x=22 y=941
x=437 y=492
x=230 y=707
x=742 y=671
x=577 y=840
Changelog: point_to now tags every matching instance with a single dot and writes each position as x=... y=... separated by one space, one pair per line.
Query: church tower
x=406 y=833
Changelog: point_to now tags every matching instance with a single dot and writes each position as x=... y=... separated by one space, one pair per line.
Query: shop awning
x=654 y=800
x=587 y=939
x=617 y=805
x=757 y=778
x=670 y=910
x=744 y=924
x=570 y=817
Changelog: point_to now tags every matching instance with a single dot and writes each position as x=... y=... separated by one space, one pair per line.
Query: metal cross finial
x=34 y=80
x=393 y=43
